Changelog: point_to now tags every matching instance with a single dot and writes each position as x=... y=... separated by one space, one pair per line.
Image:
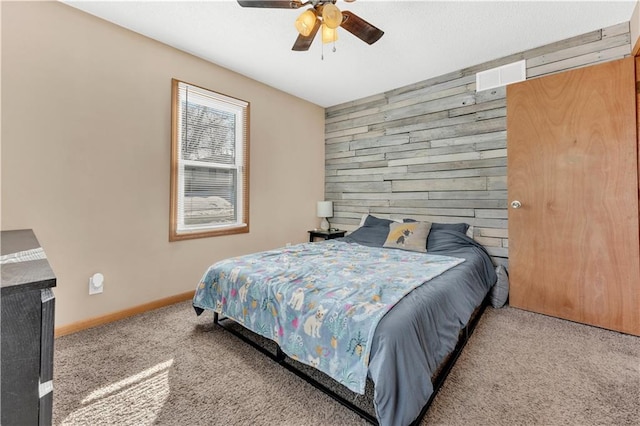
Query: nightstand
x=325 y=235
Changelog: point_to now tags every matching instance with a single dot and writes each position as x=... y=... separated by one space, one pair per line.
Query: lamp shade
x=325 y=209
x=329 y=35
x=331 y=16
x=305 y=22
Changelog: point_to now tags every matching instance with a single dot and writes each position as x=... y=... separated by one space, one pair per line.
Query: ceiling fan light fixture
x=331 y=15
x=320 y=14
x=305 y=22
x=329 y=35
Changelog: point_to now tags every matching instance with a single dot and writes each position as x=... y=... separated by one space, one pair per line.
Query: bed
x=420 y=290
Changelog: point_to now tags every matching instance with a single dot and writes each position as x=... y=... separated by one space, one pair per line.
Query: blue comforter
x=321 y=302
x=414 y=337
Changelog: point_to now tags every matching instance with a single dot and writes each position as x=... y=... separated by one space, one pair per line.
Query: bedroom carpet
x=170 y=367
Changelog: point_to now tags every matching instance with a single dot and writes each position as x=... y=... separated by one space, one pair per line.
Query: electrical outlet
x=96 y=283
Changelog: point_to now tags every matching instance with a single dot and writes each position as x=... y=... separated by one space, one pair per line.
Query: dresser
x=26 y=330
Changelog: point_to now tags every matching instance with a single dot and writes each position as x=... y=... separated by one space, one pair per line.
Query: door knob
x=515 y=204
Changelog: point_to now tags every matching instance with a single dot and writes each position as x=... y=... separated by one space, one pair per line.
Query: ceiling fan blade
x=273 y=4
x=360 y=28
x=303 y=43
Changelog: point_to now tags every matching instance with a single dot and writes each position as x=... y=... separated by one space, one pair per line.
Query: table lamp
x=325 y=210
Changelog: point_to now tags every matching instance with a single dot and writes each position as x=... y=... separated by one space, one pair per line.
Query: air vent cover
x=501 y=76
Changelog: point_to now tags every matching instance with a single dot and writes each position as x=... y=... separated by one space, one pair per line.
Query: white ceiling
x=422 y=39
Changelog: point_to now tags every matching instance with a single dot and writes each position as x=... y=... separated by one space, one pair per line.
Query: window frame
x=242 y=184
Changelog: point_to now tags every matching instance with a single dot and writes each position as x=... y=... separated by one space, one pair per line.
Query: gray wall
x=437 y=150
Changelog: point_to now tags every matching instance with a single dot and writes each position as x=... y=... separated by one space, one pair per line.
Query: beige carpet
x=169 y=367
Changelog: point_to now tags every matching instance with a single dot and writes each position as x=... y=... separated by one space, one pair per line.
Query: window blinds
x=210 y=159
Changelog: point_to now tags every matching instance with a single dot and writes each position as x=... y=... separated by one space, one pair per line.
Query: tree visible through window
x=209 y=173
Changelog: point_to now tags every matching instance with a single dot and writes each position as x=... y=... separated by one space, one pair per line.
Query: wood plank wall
x=436 y=150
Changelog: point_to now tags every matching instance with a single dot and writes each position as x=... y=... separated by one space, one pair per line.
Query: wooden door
x=573 y=165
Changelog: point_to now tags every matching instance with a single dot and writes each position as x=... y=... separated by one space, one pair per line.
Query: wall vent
x=501 y=76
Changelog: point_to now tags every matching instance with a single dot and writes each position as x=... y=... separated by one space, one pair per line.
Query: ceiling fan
x=322 y=14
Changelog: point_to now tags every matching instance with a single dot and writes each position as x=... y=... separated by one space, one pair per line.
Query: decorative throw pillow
x=408 y=236
x=500 y=290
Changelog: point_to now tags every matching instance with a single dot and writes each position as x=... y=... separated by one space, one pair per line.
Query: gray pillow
x=373 y=233
x=460 y=227
x=377 y=221
x=500 y=290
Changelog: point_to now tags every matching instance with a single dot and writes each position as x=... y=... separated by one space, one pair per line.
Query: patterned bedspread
x=321 y=302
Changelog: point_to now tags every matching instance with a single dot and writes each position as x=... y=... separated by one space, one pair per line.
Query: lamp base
x=324 y=225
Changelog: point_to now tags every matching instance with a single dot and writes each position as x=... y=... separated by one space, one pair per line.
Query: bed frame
x=439 y=378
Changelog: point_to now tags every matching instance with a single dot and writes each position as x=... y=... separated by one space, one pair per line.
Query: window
x=209 y=163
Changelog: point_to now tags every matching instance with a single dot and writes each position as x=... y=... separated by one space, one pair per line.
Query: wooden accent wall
x=436 y=150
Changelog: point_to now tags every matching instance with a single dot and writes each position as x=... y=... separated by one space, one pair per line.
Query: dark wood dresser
x=26 y=330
